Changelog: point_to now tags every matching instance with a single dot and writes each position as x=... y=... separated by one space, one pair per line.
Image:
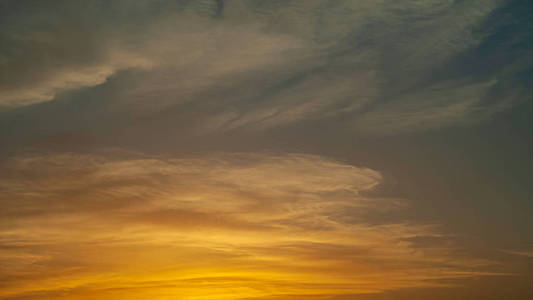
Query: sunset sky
x=266 y=149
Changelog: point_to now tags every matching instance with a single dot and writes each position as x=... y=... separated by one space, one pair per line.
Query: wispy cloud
x=197 y=226
x=519 y=252
x=260 y=66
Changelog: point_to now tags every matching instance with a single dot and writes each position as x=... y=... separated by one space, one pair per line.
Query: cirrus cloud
x=84 y=224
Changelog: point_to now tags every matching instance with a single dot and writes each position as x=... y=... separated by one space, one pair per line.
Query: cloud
x=519 y=253
x=59 y=51
x=48 y=50
x=446 y=104
x=370 y=65
x=223 y=227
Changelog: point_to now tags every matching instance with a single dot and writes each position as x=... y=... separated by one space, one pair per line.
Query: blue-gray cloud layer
x=376 y=67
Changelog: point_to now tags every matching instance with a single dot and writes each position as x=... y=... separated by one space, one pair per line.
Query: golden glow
x=233 y=227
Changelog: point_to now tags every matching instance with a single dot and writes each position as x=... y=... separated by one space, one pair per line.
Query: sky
x=266 y=149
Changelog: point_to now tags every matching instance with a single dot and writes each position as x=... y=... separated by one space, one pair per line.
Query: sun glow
x=238 y=227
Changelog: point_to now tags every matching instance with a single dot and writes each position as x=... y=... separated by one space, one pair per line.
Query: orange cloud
x=231 y=226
